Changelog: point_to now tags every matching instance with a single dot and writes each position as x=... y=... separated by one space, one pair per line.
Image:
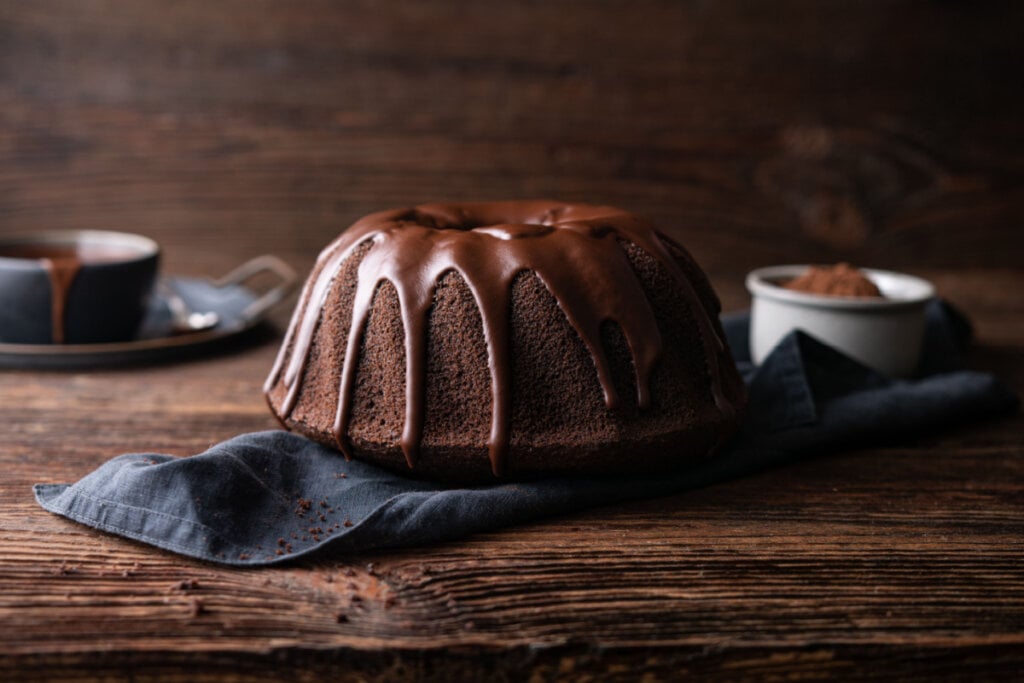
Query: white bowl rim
x=760 y=283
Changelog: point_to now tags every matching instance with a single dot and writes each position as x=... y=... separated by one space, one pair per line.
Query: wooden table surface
x=884 y=133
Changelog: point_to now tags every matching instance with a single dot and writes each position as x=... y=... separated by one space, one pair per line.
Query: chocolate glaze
x=574 y=249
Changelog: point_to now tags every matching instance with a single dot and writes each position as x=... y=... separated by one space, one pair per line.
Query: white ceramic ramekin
x=882 y=333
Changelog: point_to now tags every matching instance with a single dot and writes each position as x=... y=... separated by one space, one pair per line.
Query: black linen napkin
x=269 y=497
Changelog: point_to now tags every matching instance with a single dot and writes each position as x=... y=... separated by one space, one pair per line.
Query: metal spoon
x=183 y=319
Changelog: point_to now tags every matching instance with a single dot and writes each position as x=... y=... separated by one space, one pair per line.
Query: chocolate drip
x=62 y=272
x=573 y=249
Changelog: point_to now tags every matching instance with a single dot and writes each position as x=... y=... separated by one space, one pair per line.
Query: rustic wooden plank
x=711 y=119
x=743 y=574
x=808 y=131
x=741 y=567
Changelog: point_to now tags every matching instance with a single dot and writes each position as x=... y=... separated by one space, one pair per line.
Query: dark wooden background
x=885 y=133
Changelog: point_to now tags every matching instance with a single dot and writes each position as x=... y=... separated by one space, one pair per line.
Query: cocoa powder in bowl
x=881 y=332
x=841 y=279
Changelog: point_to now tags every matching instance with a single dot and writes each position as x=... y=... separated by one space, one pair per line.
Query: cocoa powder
x=841 y=279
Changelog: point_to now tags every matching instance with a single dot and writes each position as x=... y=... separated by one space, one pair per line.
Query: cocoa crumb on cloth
x=303 y=506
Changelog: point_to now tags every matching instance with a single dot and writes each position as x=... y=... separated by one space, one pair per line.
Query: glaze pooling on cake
x=575 y=251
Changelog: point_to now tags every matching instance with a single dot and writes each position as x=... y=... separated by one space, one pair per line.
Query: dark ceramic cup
x=75 y=287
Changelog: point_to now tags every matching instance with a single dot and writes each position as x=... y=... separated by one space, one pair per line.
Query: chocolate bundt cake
x=517 y=339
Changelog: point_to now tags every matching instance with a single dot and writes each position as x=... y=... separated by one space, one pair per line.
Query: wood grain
x=885 y=133
x=813 y=131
